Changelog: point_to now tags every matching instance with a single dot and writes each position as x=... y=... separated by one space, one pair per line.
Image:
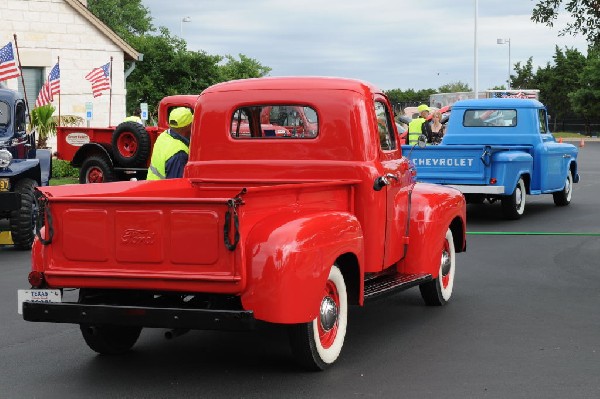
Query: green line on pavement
x=530 y=233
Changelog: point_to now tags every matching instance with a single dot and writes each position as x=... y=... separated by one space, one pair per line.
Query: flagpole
x=58 y=63
x=22 y=78
x=110 y=93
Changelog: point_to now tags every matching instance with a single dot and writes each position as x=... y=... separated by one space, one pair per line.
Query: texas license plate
x=45 y=296
x=4 y=184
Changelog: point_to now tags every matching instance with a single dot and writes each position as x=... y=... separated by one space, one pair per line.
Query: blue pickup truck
x=499 y=149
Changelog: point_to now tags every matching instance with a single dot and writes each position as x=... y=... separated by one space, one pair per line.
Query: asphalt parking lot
x=524 y=322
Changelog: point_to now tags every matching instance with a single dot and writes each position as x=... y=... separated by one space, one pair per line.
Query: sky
x=397 y=44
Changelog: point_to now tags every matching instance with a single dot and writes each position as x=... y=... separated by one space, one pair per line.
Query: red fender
x=289 y=262
x=434 y=209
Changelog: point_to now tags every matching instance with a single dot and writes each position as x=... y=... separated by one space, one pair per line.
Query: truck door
x=396 y=171
x=553 y=163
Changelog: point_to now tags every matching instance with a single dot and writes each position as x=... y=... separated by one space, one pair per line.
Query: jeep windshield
x=4 y=119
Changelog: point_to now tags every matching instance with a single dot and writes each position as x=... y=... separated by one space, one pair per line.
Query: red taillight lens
x=36 y=279
x=493 y=180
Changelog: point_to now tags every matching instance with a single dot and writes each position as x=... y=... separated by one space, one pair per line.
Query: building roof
x=129 y=52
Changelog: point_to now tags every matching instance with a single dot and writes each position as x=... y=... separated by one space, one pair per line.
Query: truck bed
x=99 y=229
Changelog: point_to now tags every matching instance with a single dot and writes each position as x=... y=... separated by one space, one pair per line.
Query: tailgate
x=169 y=238
x=452 y=164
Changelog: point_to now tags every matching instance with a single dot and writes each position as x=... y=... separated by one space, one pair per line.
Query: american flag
x=8 y=67
x=100 y=79
x=50 y=88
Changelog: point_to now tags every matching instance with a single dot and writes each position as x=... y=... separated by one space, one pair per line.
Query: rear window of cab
x=274 y=122
x=490 y=118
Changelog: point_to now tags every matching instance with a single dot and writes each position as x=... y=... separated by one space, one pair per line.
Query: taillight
x=493 y=180
x=36 y=279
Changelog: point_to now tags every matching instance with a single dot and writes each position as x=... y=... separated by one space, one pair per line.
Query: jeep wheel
x=317 y=344
x=96 y=169
x=110 y=340
x=438 y=291
x=513 y=206
x=131 y=144
x=23 y=220
x=563 y=197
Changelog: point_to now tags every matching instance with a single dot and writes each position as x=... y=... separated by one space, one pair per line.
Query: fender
x=509 y=166
x=434 y=209
x=45 y=157
x=289 y=262
x=89 y=149
x=23 y=168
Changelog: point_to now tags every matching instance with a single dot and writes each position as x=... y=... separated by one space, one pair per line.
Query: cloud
x=391 y=44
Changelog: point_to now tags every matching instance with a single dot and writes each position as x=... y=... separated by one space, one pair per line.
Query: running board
x=388 y=284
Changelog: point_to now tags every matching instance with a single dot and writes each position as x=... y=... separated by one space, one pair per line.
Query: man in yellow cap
x=419 y=126
x=171 y=150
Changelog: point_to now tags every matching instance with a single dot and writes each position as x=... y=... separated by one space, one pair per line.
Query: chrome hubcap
x=328 y=313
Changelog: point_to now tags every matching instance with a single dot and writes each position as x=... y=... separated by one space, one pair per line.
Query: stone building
x=65 y=30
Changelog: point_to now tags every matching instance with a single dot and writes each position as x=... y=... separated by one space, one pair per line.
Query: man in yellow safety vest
x=171 y=150
x=419 y=126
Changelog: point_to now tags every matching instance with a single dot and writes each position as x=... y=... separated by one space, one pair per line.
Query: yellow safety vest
x=133 y=118
x=415 y=129
x=165 y=147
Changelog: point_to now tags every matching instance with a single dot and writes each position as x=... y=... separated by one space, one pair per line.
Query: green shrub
x=62 y=168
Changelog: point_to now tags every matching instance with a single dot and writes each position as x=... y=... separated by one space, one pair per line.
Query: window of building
x=34 y=79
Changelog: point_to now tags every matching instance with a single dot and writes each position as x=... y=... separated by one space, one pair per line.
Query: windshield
x=4 y=118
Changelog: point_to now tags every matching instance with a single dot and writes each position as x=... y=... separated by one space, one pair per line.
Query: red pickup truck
x=105 y=154
x=261 y=228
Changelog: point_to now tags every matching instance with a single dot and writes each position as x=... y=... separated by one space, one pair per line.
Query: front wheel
x=563 y=197
x=513 y=206
x=96 y=169
x=438 y=291
x=317 y=344
x=23 y=220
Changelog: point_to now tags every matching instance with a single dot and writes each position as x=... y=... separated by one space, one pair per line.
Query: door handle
x=383 y=181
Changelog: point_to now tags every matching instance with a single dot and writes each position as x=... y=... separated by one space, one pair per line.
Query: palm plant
x=43 y=123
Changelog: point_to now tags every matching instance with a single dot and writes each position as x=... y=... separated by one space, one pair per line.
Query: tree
x=126 y=18
x=586 y=15
x=244 y=68
x=558 y=80
x=454 y=87
x=169 y=67
x=587 y=96
x=524 y=77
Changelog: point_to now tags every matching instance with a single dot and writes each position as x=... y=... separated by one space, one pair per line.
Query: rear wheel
x=96 y=169
x=23 y=220
x=438 y=291
x=317 y=344
x=563 y=197
x=513 y=206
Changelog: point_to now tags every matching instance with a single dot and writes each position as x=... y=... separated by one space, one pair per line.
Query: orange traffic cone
x=560 y=139
x=582 y=143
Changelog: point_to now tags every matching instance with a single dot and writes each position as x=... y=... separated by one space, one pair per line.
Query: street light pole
x=475 y=60
x=184 y=19
x=505 y=41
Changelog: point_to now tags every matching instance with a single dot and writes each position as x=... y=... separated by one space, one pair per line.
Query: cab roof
x=487 y=103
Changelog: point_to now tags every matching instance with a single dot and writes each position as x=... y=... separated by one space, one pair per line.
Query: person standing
x=418 y=126
x=171 y=150
x=437 y=128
